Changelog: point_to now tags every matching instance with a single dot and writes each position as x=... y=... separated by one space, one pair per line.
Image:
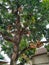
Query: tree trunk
x=17 y=39
x=14 y=55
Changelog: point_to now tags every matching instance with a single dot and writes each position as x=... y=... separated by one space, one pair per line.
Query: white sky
x=47 y=26
x=0 y=48
x=41 y=0
x=6 y=58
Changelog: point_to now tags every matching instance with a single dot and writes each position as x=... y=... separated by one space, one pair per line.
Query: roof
x=1 y=57
x=2 y=61
x=40 y=51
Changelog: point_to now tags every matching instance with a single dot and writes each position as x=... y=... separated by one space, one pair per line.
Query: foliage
x=47 y=47
x=35 y=17
x=36 y=22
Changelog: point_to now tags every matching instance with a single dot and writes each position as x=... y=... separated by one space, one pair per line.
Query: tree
x=47 y=47
x=21 y=21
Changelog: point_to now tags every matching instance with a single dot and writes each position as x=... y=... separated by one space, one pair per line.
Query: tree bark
x=14 y=55
x=17 y=39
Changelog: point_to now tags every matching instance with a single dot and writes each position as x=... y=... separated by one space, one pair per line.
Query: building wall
x=41 y=60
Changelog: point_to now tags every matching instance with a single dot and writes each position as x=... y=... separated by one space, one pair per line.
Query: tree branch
x=26 y=48
x=6 y=37
x=31 y=45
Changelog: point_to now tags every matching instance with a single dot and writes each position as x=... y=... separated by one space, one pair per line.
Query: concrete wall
x=41 y=60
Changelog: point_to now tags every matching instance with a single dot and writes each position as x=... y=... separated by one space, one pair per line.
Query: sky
x=47 y=26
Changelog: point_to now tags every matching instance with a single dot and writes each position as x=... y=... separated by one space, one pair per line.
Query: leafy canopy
x=35 y=16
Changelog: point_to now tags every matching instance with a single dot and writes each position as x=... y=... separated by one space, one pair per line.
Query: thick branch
x=22 y=51
x=7 y=37
x=33 y=46
x=26 y=48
